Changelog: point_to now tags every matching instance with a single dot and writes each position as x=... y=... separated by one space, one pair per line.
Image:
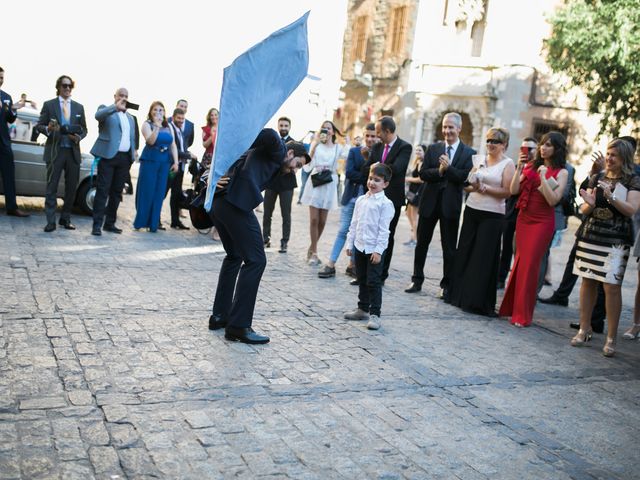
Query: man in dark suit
x=7 y=168
x=116 y=147
x=282 y=186
x=62 y=121
x=177 y=122
x=238 y=193
x=188 y=127
x=396 y=153
x=444 y=170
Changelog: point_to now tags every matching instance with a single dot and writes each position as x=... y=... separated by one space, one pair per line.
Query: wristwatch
x=613 y=198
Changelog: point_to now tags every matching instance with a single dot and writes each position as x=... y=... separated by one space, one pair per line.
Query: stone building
x=418 y=59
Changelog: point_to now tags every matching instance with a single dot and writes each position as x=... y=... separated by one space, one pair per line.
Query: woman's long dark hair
x=559 y=157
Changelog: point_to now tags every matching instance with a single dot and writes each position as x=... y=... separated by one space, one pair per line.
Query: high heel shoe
x=633 y=332
x=581 y=338
x=609 y=349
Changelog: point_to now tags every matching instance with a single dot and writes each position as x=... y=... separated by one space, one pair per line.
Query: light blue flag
x=254 y=87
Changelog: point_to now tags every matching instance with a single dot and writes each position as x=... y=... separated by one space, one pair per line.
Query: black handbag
x=200 y=218
x=321 y=178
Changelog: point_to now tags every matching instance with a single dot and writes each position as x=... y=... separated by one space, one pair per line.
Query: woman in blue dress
x=158 y=157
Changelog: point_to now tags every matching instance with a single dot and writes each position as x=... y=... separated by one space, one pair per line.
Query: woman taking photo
x=605 y=239
x=322 y=197
x=209 y=132
x=158 y=157
x=541 y=185
x=415 y=184
x=475 y=270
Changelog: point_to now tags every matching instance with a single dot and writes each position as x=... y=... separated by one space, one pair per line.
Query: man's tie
x=449 y=150
x=385 y=153
x=65 y=110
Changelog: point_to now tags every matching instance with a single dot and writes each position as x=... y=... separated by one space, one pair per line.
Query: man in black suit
x=7 y=168
x=178 y=124
x=62 y=121
x=238 y=193
x=282 y=186
x=396 y=153
x=444 y=170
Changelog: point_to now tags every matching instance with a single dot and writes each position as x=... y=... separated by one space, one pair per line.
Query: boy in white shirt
x=368 y=236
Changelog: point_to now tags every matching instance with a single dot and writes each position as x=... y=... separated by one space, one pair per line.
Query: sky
x=163 y=50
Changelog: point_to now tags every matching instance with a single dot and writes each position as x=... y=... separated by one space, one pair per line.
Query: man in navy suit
x=62 y=121
x=116 y=147
x=238 y=193
x=396 y=153
x=444 y=170
x=7 y=168
x=177 y=123
x=188 y=127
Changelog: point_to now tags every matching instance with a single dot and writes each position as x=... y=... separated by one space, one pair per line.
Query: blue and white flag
x=254 y=87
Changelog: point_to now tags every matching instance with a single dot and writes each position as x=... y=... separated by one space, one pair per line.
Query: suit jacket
x=449 y=185
x=253 y=171
x=7 y=115
x=284 y=181
x=51 y=110
x=110 y=132
x=188 y=134
x=398 y=159
x=355 y=178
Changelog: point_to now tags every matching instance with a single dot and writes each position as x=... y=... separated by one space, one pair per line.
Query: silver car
x=31 y=170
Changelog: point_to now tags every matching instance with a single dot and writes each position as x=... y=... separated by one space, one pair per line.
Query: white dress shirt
x=125 y=139
x=369 y=229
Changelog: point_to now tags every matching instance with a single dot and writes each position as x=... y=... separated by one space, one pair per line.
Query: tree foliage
x=596 y=43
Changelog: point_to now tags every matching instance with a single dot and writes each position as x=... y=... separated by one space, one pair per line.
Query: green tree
x=596 y=43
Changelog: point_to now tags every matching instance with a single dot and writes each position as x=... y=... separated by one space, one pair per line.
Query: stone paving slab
x=108 y=370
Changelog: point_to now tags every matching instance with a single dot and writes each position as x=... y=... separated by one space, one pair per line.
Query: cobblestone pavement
x=108 y=370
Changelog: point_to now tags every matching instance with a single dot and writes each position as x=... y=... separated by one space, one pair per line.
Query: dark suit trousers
x=286 y=198
x=243 y=265
x=176 y=197
x=507 y=249
x=112 y=173
x=369 y=281
x=63 y=159
x=388 y=253
x=448 y=239
x=8 y=172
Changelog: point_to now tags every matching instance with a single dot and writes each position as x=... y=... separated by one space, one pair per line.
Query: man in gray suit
x=115 y=147
x=62 y=121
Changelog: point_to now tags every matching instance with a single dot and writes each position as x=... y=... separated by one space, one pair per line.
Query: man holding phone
x=62 y=121
x=116 y=150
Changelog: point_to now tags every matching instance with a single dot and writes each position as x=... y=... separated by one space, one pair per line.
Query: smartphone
x=324 y=130
x=524 y=150
x=132 y=106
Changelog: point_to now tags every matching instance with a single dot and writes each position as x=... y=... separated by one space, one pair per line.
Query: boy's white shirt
x=369 y=229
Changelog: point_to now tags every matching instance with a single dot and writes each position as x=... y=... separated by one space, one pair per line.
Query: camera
x=132 y=106
x=323 y=130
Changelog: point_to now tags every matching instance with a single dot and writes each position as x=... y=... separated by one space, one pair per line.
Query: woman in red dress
x=209 y=132
x=535 y=224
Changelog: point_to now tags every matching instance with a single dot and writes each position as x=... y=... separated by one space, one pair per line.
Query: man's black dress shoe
x=97 y=231
x=283 y=247
x=216 y=322
x=597 y=328
x=413 y=288
x=555 y=300
x=161 y=227
x=244 y=335
x=17 y=213
x=354 y=282
x=179 y=226
x=50 y=227
x=112 y=229
x=67 y=224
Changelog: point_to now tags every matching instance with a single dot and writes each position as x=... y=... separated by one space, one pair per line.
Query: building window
x=540 y=127
x=398 y=30
x=359 y=42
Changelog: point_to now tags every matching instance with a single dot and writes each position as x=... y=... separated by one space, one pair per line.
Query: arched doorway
x=466 y=134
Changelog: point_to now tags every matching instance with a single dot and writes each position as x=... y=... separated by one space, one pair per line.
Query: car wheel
x=86 y=195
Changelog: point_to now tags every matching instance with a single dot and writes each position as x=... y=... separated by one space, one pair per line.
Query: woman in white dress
x=322 y=198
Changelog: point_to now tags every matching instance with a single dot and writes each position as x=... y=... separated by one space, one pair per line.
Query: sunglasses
x=66 y=85
x=494 y=141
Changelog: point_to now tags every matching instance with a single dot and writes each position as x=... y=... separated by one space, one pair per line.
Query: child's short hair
x=381 y=170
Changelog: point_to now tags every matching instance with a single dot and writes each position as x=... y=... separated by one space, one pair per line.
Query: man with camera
x=62 y=121
x=116 y=148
